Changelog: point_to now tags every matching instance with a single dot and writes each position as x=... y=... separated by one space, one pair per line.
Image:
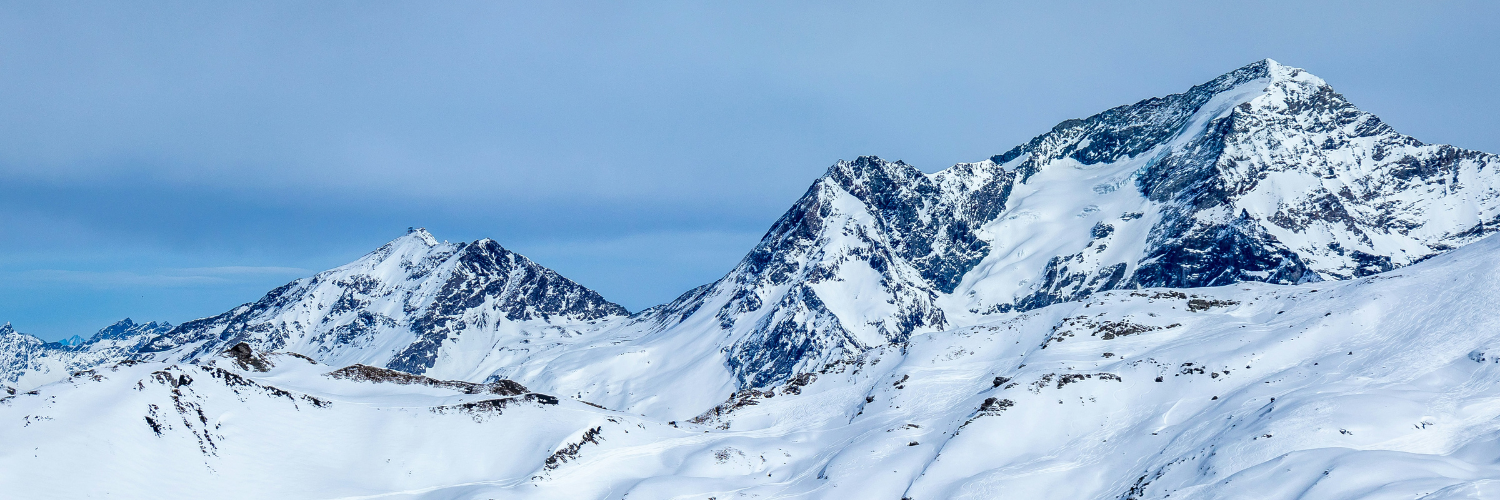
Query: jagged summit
x=126 y=328
x=420 y=233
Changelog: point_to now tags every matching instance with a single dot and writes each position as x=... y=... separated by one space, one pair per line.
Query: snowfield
x=1251 y=289
x=1382 y=387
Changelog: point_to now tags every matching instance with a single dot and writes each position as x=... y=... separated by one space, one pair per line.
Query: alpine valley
x=1251 y=289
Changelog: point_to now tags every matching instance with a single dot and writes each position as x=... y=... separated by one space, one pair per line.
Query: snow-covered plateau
x=1248 y=290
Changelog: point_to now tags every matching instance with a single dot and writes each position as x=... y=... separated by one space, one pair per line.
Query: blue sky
x=166 y=161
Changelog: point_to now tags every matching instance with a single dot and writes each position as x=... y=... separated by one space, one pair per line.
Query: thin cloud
x=183 y=277
x=257 y=270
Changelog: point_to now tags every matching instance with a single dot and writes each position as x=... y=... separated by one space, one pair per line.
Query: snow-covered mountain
x=859 y=261
x=1378 y=387
x=1250 y=289
x=29 y=361
x=1263 y=174
x=450 y=310
x=1166 y=192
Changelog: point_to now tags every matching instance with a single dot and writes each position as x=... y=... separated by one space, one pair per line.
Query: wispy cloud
x=161 y=278
x=257 y=270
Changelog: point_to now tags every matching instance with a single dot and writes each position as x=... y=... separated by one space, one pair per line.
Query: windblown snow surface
x=1248 y=290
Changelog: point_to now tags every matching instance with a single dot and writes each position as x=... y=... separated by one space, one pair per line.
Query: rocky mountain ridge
x=30 y=361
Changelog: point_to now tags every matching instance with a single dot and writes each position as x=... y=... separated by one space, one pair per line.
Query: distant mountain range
x=1179 y=222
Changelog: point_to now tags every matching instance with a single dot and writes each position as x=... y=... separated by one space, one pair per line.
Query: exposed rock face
x=364 y=373
x=247 y=358
x=859 y=261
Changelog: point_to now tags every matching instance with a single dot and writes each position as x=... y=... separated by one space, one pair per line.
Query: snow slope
x=1379 y=387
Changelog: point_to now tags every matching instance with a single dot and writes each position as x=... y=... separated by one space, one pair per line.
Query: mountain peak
x=1225 y=182
x=866 y=167
x=1267 y=66
x=128 y=328
x=1268 y=69
x=870 y=173
x=1264 y=68
x=413 y=304
x=420 y=234
x=415 y=250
